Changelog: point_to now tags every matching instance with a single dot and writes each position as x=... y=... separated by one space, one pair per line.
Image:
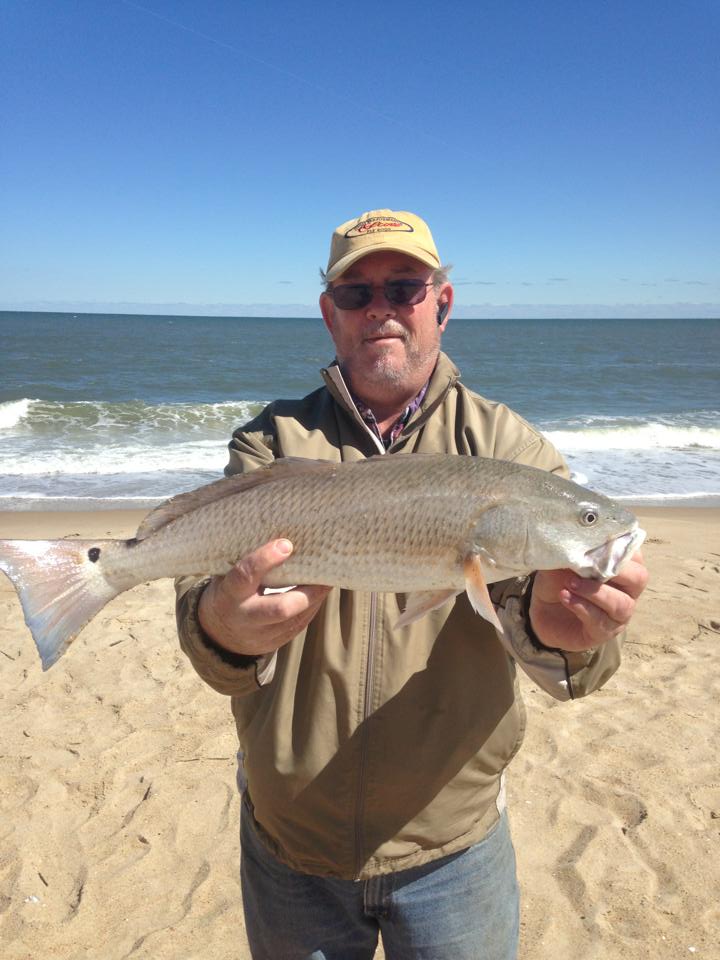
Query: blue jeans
x=461 y=907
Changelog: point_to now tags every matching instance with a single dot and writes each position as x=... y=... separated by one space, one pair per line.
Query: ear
x=327 y=309
x=445 y=298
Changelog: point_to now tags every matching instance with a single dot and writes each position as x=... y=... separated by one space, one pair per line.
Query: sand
x=119 y=815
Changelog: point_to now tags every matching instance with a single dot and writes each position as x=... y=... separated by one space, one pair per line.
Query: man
x=375 y=757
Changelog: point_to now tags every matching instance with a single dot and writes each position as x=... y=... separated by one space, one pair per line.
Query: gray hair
x=441 y=275
x=438 y=278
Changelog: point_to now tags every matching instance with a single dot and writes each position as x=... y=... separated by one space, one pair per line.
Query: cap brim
x=424 y=256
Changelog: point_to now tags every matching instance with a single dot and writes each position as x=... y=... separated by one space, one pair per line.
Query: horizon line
x=299 y=311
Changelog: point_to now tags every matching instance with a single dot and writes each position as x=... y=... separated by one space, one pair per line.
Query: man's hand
x=572 y=613
x=236 y=614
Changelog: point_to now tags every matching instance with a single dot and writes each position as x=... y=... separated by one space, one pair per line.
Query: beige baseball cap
x=379 y=230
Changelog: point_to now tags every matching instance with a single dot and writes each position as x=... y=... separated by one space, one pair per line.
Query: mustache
x=387 y=330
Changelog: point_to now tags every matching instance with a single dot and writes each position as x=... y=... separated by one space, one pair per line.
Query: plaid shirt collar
x=397 y=428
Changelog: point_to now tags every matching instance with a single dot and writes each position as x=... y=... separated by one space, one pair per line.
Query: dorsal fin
x=187 y=502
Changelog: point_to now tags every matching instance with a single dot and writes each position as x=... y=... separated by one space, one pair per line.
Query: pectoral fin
x=477 y=592
x=422 y=602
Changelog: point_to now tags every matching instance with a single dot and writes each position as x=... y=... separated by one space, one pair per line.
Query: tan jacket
x=366 y=753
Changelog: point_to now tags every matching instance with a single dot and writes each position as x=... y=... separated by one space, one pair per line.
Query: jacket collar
x=338 y=389
x=443 y=379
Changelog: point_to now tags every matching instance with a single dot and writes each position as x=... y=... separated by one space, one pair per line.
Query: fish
x=425 y=525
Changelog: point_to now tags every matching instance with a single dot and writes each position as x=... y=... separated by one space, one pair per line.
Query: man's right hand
x=236 y=614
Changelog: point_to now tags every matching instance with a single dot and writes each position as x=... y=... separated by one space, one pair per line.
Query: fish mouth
x=607 y=560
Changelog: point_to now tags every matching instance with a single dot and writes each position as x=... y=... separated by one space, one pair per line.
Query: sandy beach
x=119 y=811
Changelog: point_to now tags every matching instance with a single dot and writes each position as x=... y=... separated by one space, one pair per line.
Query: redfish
x=425 y=525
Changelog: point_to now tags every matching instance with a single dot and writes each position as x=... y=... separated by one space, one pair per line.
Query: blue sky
x=178 y=156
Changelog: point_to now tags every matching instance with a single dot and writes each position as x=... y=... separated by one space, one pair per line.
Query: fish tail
x=60 y=588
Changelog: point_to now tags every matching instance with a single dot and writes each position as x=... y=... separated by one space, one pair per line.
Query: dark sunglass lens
x=405 y=292
x=352 y=296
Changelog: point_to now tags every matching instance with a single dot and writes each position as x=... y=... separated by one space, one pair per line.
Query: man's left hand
x=571 y=613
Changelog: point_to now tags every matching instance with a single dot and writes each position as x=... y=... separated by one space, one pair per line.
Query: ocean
x=109 y=411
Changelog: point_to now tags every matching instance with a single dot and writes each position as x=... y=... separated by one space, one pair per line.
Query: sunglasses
x=400 y=293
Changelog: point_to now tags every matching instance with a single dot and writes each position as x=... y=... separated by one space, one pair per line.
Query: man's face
x=383 y=348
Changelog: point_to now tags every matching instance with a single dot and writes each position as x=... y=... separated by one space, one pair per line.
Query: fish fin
x=227 y=487
x=477 y=591
x=423 y=601
x=60 y=589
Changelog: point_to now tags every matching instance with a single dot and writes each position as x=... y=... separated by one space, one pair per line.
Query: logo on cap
x=379 y=225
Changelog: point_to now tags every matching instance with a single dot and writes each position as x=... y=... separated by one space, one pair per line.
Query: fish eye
x=589 y=517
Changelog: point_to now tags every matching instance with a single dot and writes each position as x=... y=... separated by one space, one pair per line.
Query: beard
x=392 y=368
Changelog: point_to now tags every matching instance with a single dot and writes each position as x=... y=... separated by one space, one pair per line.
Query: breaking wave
x=679 y=433
x=85 y=453
x=12 y=412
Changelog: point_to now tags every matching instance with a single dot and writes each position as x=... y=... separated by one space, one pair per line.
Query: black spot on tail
x=94 y=554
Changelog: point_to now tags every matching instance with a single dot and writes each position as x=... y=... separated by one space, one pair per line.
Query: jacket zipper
x=367 y=709
x=338 y=388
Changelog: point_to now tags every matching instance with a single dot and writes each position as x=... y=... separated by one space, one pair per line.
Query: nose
x=379 y=306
